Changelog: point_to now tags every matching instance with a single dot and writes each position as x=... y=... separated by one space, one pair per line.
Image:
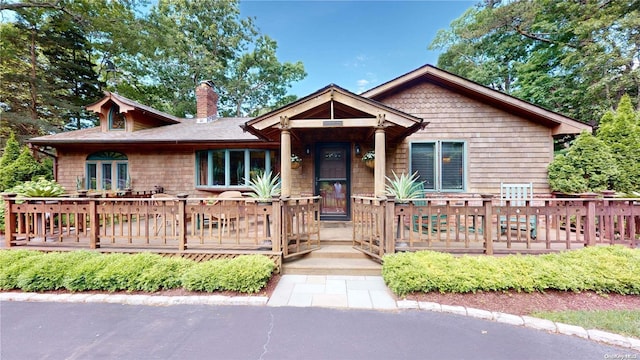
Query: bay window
x=232 y=167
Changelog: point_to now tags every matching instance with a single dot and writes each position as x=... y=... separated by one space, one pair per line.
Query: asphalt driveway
x=47 y=330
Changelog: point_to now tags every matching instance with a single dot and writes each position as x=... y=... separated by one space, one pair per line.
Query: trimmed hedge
x=611 y=269
x=247 y=274
x=85 y=270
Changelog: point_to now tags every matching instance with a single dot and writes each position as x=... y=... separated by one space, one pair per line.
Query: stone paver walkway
x=339 y=291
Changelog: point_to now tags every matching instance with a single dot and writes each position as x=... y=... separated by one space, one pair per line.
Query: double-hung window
x=232 y=167
x=107 y=170
x=441 y=165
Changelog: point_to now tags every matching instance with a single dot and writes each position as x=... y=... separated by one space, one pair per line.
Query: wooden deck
x=490 y=227
x=203 y=229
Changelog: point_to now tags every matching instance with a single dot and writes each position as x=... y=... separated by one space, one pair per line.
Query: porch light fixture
x=307 y=150
x=358 y=150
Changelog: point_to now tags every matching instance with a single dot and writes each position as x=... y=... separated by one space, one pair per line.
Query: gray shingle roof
x=221 y=129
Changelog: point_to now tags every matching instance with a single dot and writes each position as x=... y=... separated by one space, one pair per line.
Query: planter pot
x=370 y=163
x=608 y=193
x=296 y=164
x=589 y=195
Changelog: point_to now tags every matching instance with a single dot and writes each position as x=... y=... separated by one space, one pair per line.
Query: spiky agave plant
x=264 y=186
x=404 y=188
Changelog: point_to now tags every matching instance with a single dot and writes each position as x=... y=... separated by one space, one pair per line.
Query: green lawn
x=624 y=322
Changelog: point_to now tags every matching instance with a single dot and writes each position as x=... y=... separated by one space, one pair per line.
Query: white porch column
x=285 y=158
x=380 y=164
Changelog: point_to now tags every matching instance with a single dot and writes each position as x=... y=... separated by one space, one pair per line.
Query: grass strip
x=624 y=322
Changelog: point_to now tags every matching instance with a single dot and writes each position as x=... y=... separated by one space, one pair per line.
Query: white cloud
x=358 y=61
x=366 y=82
x=362 y=84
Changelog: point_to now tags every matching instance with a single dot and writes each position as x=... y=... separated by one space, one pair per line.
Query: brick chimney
x=206 y=101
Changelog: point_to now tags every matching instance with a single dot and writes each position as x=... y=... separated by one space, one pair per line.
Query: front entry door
x=333 y=164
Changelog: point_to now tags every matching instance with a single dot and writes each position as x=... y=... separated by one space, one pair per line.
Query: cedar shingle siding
x=500 y=146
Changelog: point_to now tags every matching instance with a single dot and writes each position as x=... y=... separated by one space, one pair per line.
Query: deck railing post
x=387 y=240
x=590 y=226
x=279 y=226
x=182 y=222
x=94 y=224
x=10 y=219
x=488 y=225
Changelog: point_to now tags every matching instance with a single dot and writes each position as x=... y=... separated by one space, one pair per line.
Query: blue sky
x=353 y=44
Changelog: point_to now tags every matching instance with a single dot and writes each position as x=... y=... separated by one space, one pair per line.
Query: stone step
x=332 y=266
x=337 y=252
x=346 y=242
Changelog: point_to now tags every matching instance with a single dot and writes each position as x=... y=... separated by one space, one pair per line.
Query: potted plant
x=404 y=187
x=264 y=187
x=369 y=159
x=296 y=161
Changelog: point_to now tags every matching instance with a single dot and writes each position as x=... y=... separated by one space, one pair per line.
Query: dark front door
x=333 y=164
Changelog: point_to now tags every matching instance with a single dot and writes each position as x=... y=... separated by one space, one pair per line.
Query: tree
x=620 y=131
x=57 y=56
x=48 y=61
x=226 y=49
x=24 y=168
x=10 y=153
x=574 y=57
x=588 y=165
x=74 y=82
x=257 y=80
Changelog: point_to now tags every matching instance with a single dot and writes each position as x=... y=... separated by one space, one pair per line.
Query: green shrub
x=205 y=276
x=122 y=271
x=620 y=130
x=40 y=187
x=588 y=165
x=85 y=270
x=13 y=263
x=246 y=274
x=601 y=269
x=166 y=273
x=82 y=277
x=48 y=271
x=23 y=168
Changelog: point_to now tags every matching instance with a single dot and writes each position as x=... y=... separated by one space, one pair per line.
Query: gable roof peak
x=560 y=124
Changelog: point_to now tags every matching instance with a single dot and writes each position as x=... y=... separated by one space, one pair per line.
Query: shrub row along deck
x=283 y=228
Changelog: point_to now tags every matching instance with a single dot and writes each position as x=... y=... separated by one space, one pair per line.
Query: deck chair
x=517 y=195
x=226 y=219
x=433 y=222
x=171 y=222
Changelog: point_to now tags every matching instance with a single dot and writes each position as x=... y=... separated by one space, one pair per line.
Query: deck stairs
x=336 y=255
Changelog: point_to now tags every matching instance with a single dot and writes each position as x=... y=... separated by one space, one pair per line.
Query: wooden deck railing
x=177 y=223
x=489 y=226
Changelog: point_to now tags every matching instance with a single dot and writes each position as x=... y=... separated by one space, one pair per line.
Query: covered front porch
x=330 y=131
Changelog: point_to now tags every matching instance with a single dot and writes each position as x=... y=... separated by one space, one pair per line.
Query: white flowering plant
x=295 y=158
x=369 y=155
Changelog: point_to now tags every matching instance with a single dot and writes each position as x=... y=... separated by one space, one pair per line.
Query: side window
x=107 y=170
x=440 y=164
